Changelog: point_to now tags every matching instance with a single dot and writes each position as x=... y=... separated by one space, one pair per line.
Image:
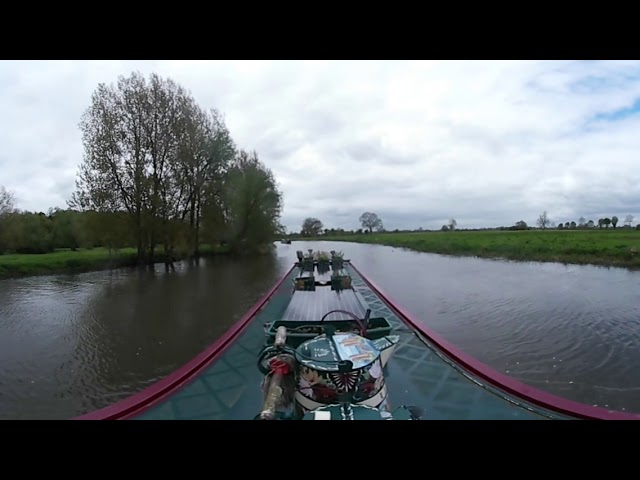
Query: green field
x=82 y=260
x=611 y=247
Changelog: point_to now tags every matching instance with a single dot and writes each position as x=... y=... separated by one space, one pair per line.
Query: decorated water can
x=340 y=367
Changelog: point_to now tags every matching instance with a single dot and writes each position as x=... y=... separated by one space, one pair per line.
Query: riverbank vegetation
x=80 y=260
x=620 y=247
x=161 y=176
x=585 y=242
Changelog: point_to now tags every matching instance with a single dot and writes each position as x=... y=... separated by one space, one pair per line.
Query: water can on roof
x=339 y=367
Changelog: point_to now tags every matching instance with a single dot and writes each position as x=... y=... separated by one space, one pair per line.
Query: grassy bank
x=612 y=247
x=82 y=260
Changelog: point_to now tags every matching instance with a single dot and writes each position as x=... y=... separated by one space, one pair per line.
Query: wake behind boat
x=326 y=344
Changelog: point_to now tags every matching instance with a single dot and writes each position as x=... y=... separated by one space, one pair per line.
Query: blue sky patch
x=619 y=114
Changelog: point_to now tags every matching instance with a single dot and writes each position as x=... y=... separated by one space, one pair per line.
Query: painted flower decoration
x=367 y=389
x=305 y=388
x=310 y=376
x=345 y=381
x=379 y=383
x=376 y=370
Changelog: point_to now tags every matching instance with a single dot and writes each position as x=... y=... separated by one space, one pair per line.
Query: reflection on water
x=73 y=343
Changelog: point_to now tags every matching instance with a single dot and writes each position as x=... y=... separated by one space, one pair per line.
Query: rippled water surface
x=73 y=343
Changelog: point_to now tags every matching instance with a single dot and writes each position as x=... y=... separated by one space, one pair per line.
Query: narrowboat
x=326 y=343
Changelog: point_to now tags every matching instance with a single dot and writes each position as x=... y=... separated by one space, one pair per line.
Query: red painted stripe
x=503 y=382
x=152 y=395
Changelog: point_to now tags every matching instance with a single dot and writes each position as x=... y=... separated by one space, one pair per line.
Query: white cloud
x=488 y=143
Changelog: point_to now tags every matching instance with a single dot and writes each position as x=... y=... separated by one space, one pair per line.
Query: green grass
x=82 y=260
x=612 y=247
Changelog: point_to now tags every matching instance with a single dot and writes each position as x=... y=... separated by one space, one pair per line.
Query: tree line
x=544 y=222
x=159 y=172
x=312 y=226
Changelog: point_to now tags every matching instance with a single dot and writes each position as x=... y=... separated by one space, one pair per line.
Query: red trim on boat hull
x=152 y=395
x=503 y=382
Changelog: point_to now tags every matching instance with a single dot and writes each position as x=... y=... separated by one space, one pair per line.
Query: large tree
x=6 y=201
x=311 y=227
x=6 y=208
x=543 y=220
x=131 y=134
x=253 y=203
x=152 y=152
x=628 y=219
x=614 y=221
x=204 y=158
x=370 y=220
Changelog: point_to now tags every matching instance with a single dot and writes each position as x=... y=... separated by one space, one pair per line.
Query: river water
x=76 y=342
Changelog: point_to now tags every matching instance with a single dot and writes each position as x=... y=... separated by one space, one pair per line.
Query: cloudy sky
x=418 y=142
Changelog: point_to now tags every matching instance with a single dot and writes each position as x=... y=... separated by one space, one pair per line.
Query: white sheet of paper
x=322 y=415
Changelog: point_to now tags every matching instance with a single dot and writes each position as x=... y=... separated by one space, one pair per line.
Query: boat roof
x=425 y=371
